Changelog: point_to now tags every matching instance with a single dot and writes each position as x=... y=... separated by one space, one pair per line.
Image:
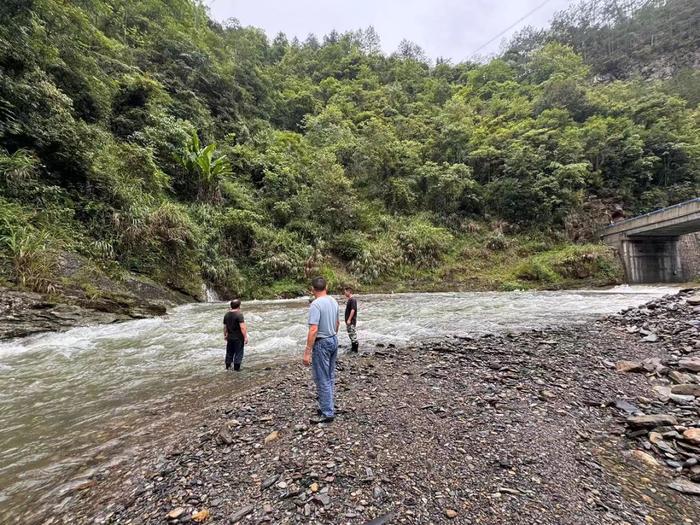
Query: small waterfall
x=210 y=296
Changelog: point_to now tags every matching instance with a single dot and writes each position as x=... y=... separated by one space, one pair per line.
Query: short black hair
x=348 y=289
x=236 y=303
x=318 y=284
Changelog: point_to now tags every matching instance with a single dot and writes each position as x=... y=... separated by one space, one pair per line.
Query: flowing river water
x=75 y=401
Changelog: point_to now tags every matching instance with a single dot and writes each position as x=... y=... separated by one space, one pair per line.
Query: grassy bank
x=519 y=265
x=419 y=257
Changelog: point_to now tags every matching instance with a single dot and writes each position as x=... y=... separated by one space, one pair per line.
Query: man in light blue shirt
x=322 y=348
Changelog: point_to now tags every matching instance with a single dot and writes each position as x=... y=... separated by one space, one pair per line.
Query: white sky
x=443 y=28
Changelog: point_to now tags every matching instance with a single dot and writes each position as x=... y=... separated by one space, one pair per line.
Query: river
x=72 y=402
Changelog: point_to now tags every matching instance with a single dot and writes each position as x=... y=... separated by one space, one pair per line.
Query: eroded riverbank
x=518 y=428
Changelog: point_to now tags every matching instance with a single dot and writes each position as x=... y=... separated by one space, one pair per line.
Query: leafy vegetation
x=146 y=137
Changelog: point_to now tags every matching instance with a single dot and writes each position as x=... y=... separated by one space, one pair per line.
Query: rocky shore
x=25 y=313
x=585 y=425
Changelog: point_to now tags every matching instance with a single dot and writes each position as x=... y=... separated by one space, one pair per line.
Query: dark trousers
x=234 y=353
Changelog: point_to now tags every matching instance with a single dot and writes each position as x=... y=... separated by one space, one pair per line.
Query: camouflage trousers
x=352 y=333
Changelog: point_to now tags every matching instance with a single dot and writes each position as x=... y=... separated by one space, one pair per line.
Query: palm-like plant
x=209 y=170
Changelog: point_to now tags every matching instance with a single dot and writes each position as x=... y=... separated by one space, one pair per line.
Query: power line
x=499 y=35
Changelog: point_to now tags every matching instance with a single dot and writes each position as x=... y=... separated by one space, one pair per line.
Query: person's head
x=347 y=291
x=318 y=286
x=235 y=304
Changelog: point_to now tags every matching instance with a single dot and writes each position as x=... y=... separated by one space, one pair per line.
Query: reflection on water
x=69 y=399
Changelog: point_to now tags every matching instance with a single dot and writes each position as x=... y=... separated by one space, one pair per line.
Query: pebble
x=176 y=513
x=685 y=486
x=686 y=389
x=692 y=435
x=645 y=458
x=272 y=437
x=663 y=393
x=693 y=300
x=652 y=420
x=242 y=513
x=682 y=400
x=629 y=366
x=692 y=364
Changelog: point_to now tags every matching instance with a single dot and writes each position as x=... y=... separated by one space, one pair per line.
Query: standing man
x=322 y=348
x=236 y=335
x=351 y=318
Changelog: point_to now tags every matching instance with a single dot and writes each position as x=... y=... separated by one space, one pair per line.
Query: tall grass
x=30 y=257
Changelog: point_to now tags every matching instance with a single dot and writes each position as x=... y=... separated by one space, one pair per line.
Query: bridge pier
x=659 y=247
x=651 y=260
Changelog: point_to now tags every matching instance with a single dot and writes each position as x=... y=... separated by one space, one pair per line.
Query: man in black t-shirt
x=236 y=335
x=351 y=318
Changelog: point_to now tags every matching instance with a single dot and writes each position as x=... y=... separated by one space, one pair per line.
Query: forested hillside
x=144 y=136
x=622 y=39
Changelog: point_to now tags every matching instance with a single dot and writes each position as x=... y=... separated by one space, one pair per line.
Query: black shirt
x=233 y=321
x=352 y=305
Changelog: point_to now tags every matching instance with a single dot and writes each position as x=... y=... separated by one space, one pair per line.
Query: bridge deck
x=679 y=219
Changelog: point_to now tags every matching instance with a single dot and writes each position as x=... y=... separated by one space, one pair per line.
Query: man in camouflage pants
x=351 y=318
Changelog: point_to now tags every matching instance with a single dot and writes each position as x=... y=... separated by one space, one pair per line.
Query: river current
x=74 y=401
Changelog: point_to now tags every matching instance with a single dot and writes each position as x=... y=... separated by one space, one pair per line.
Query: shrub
x=279 y=254
x=422 y=244
x=239 y=230
x=572 y=262
x=585 y=262
x=30 y=255
x=497 y=242
x=536 y=269
x=223 y=274
x=349 y=245
x=18 y=169
x=378 y=259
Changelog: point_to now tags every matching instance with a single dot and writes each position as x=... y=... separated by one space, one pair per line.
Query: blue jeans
x=323 y=359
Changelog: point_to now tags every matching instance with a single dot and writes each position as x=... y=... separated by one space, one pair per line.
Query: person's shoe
x=336 y=410
x=237 y=367
x=321 y=419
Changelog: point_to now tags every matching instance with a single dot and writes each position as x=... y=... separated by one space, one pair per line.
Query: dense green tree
x=142 y=133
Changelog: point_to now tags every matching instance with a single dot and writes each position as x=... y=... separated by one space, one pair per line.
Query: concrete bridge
x=661 y=246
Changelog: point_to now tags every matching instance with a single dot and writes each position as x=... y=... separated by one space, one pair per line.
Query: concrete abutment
x=660 y=247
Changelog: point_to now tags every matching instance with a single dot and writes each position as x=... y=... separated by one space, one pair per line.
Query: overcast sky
x=443 y=28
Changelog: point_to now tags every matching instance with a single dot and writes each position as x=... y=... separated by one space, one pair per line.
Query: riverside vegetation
x=144 y=144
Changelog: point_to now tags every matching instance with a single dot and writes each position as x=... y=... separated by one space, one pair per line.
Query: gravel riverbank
x=540 y=427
